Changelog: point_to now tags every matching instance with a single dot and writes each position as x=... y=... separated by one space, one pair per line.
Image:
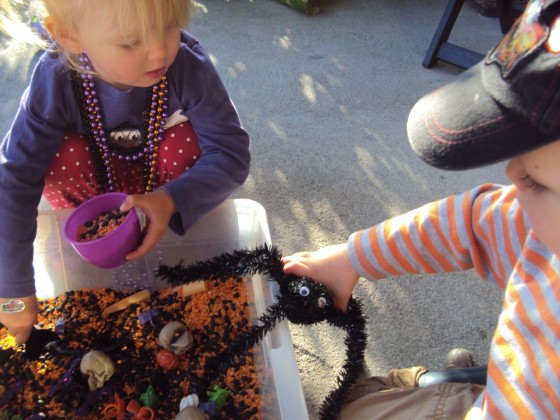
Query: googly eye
x=133 y=135
x=321 y=302
x=304 y=291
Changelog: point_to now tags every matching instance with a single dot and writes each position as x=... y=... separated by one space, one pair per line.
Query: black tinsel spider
x=301 y=301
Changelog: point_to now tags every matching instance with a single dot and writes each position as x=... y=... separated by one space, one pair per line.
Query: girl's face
x=124 y=60
x=536 y=175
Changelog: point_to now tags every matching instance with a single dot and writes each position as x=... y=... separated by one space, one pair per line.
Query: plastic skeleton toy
x=301 y=301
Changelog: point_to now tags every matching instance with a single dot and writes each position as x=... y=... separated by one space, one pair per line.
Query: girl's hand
x=158 y=207
x=330 y=266
x=19 y=324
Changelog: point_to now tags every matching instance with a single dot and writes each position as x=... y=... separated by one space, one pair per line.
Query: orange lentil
x=135 y=347
x=100 y=226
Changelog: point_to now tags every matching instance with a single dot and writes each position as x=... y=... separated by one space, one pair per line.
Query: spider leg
x=263 y=259
x=353 y=322
x=244 y=342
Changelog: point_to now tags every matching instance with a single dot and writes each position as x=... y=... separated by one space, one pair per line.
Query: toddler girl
x=122 y=100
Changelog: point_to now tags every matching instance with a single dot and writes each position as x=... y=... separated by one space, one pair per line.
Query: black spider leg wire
x=354 y=324
x=301 y=301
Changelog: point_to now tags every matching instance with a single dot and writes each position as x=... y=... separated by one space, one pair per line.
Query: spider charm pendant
x=300 y=300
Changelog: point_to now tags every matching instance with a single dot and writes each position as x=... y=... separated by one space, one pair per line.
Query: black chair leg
x=440 y=49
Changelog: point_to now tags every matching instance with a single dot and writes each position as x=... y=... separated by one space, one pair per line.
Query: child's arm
x=25 y=154
x=479 y=229
x=454 y=234
x=225 y=158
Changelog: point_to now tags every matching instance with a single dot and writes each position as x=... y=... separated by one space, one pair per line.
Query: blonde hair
x=136 y=18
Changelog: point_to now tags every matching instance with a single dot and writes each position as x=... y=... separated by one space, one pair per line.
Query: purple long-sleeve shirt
x=48 y=109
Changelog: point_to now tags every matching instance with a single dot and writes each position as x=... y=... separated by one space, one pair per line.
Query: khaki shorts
x=397 y=396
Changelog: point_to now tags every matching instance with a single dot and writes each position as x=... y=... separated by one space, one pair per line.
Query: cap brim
x=460 y=126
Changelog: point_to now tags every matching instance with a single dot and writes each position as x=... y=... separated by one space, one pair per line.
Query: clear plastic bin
x=236 y=224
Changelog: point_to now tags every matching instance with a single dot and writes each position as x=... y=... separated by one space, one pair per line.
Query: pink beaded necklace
x=84 y=88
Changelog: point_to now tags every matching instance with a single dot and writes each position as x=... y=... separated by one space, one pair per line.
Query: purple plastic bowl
x=110 y=250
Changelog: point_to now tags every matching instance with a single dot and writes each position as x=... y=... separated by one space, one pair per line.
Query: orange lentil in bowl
x=102 y=225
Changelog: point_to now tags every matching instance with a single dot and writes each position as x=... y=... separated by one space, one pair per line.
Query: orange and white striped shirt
x=485 y=229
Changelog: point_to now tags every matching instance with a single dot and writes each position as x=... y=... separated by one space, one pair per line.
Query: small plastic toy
x=133 y=410
x=219 y=396
x=176 y=337
x=149 y=398
x=148 y=316
x=140 y=296
x=167 y=360
x=99 y=368
x=301 y=301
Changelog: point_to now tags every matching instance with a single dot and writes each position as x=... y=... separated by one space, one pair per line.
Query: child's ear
x=62 y=36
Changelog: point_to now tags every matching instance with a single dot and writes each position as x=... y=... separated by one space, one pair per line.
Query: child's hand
x=19 y=324
x=158 y=207
x=330 y=266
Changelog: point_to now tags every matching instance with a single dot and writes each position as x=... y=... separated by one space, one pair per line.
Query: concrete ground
x=326 y=99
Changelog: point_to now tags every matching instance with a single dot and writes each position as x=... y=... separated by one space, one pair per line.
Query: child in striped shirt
x=506 y=107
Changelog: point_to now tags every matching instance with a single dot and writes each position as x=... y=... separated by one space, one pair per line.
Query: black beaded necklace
x=92 y=118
